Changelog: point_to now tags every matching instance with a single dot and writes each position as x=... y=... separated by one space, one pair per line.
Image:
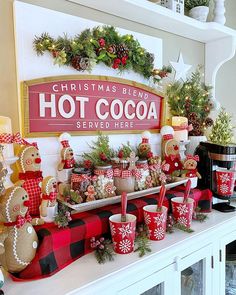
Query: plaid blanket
x=58 y=247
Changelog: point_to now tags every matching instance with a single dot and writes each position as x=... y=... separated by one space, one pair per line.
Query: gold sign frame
x=24 y=104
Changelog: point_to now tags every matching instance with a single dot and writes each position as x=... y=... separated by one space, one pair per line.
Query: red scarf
x=51 y=197
x=20 y=220
x=30 y=175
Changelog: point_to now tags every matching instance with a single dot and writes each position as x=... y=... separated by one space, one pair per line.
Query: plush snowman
x=19 y=241
x=67 y=161
x=30 y=175
x=170 y=150
x=48 y=207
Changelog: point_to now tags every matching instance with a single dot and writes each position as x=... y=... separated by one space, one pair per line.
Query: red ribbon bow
x=108 y=173
x=51 y=197
x=155 y=167
x=15 y=138
x=127 y=173
x=196 y=157
x=20 y=220
x=183 y=126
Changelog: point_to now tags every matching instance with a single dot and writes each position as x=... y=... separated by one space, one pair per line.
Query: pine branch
x=183 y=228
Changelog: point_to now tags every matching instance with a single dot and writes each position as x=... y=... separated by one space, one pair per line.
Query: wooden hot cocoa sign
x=83 y=104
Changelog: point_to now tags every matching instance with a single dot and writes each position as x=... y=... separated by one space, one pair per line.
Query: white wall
x=31 y=66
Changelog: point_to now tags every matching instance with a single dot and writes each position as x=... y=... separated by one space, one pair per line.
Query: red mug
x=155 y=221
x=123 y=233
x=225 y=182
x=182 y=212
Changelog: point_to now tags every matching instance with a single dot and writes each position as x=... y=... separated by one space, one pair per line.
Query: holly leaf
x=111 y=55
x=95 y=43
x=102 y=55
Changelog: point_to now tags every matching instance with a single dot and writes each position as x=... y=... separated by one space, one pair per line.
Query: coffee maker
x=213 y=156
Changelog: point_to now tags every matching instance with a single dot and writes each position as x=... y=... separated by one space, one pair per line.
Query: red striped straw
x=187 y=191
x=123 y=206
x=161 y=197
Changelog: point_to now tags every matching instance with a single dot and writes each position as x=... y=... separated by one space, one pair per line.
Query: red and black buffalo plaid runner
x=58 y=247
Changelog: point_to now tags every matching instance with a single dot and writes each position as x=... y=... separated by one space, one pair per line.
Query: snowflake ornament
x=125 y=246
x=182 y=209
x=147 y=218
x=125 y=230
x=183 y=221
x=159 y=233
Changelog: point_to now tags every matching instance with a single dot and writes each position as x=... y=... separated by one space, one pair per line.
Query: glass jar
x=80 y=180
x=143 y=181
x=124 y=181
x=104 y=182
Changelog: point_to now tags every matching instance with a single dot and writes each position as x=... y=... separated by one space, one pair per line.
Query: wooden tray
x=113 y=200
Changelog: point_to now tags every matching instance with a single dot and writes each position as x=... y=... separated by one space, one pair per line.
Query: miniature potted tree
x=198 y=9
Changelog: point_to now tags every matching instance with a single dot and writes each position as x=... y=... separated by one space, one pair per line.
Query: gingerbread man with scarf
x=30 y=175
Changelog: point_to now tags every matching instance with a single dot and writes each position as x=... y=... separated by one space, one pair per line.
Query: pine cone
x=151 y=57
x=122 y=50
x=84 y=63
x=209 y=122
x=112 y=49
x=75 y=62
x=197 y=130
x=192 y=117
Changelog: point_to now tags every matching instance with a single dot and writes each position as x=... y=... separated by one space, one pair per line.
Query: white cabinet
x=197 y=258
x=190 y=275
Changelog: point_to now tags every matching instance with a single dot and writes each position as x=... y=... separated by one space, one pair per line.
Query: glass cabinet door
x=195 y=273
x=227 y=258
x=158 y=283
x=230 y=269
x=192 y=281
x=156 y=290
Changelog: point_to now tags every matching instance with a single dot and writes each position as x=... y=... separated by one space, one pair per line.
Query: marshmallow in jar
x=5 y=127
x=180 y=126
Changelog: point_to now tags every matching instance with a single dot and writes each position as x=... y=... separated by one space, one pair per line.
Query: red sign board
x=89 y=103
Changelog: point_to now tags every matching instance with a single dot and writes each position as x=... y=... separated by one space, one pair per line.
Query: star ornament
x=180 y=68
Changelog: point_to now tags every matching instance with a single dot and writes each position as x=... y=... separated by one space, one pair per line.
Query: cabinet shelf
x=158 y=17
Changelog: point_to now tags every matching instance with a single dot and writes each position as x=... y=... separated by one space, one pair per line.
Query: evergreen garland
x=222 y=130
x=100 y=45
x=191 y=99
x=189 y=4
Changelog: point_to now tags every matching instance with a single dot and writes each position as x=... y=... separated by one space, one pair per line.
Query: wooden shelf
x=158 y=17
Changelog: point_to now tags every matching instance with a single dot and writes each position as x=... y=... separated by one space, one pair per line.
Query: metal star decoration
x=180 y=68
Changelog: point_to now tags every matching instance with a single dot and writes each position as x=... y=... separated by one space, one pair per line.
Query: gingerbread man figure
x=132 y=159
x=170 y=150
x=30 y=175
x=91 y=193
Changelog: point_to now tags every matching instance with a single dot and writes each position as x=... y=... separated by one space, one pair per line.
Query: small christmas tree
x=222 y=130
x=100 y=153
x=191 y=99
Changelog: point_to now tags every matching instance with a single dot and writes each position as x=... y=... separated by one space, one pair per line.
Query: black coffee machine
x=213 y=156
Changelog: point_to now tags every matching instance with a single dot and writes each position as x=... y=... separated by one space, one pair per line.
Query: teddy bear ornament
x=190 y=169
x=18 y=239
